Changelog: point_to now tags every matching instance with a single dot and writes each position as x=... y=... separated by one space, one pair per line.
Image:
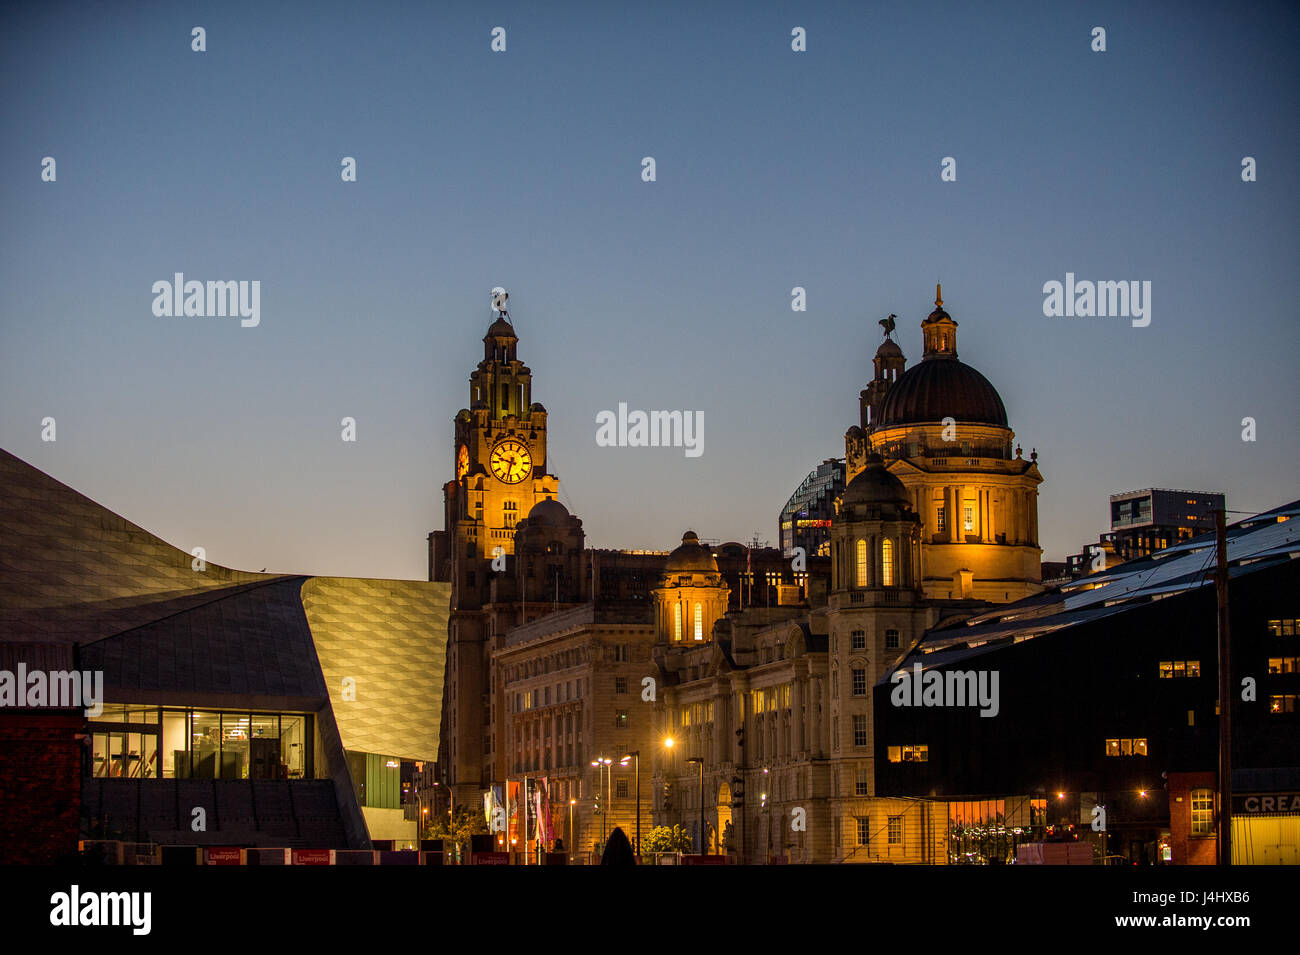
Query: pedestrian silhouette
x=618 y=851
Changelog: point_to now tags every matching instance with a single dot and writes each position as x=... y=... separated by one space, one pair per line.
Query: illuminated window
x=916 y=754
x=677 y=621
x=1177 y=669
x=1126 y=747
x=862 y=562
x=887 y=562
x=699 y=621
x=1277 y=665
x=1282 y=628
x=941 y=519
x=1202 y=812
x=895 y=754
x=968 y=517
x=1282 y=703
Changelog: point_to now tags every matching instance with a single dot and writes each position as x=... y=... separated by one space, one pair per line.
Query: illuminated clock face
x=462 y=462
x=511 y=461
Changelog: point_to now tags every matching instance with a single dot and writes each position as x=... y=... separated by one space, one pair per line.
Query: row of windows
x=894 y=830
x=1172 y=669
x=1288 y=627
x=541 y=696
x=1283 y=703
x=697 y=713
x=858 y=640
x=1278 y=665
x=886 y=563
x=1126 y=747
x=677 y=621
x=555 y=661
x=909 y=754
x=771 y=699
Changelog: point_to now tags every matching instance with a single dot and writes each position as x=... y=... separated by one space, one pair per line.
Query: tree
x=663 y=839
x=463 y=823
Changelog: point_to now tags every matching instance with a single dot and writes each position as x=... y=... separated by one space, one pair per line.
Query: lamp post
x=601 y=762
x=572 y=802
x=700 y=761
x=635 y=755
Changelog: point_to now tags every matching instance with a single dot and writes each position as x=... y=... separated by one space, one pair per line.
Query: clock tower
x=500 y=461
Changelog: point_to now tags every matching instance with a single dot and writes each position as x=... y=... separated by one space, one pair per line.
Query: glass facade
x=145 y=742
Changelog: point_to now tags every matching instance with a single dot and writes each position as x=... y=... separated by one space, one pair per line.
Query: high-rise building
x=806 y=518
x=1143 y=522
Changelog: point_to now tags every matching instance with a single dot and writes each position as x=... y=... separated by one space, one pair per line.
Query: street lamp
x=636 y=755
x=599 y=762
x=572 y=802
x=700 y=760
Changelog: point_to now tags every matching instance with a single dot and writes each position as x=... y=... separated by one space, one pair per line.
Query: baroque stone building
x=758 y=669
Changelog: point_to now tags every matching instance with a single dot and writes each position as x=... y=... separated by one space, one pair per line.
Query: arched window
x=862 y=562
x=699 y=621
x=677 y=621
x=887 y=562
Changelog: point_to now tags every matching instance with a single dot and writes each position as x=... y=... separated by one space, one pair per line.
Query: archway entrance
x=723 y=820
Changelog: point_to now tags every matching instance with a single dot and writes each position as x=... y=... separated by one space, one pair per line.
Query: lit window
x=677 y=621
x=895 y=754
x=699 y=621
x=916 y=754
x=862 y=562
x=941 y=519
x=887 y=562
x=1202 y=812
x=968 y=517
x=1282 y=703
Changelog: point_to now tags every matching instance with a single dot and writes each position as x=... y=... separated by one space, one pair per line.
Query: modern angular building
x=1143 y=522
x=805 y=520
x=238 y=708
x=1107 y=696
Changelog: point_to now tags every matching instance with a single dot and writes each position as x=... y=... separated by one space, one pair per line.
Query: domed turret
x=549 y=513
x=691 y=556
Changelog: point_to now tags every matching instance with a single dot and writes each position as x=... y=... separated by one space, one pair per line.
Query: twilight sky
x=775 y=169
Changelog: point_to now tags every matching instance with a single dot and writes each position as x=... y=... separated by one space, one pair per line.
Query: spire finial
x=938 y=294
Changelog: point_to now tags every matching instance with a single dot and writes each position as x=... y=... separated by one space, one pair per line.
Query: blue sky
x=775 y=169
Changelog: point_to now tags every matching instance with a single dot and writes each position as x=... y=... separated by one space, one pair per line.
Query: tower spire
x=938 y=294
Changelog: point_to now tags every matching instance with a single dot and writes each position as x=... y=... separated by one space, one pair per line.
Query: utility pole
x=1225 y=689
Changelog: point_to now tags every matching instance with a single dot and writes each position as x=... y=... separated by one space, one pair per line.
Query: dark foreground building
x=1106 y=697
x=237 y=709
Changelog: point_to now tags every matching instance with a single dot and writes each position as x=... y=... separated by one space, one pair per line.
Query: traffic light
x=596 y=807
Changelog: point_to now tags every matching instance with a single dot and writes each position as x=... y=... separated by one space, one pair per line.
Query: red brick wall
x=1189 y=850
x=40 y=786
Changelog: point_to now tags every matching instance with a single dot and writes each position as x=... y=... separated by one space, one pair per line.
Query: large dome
x=942 y=388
